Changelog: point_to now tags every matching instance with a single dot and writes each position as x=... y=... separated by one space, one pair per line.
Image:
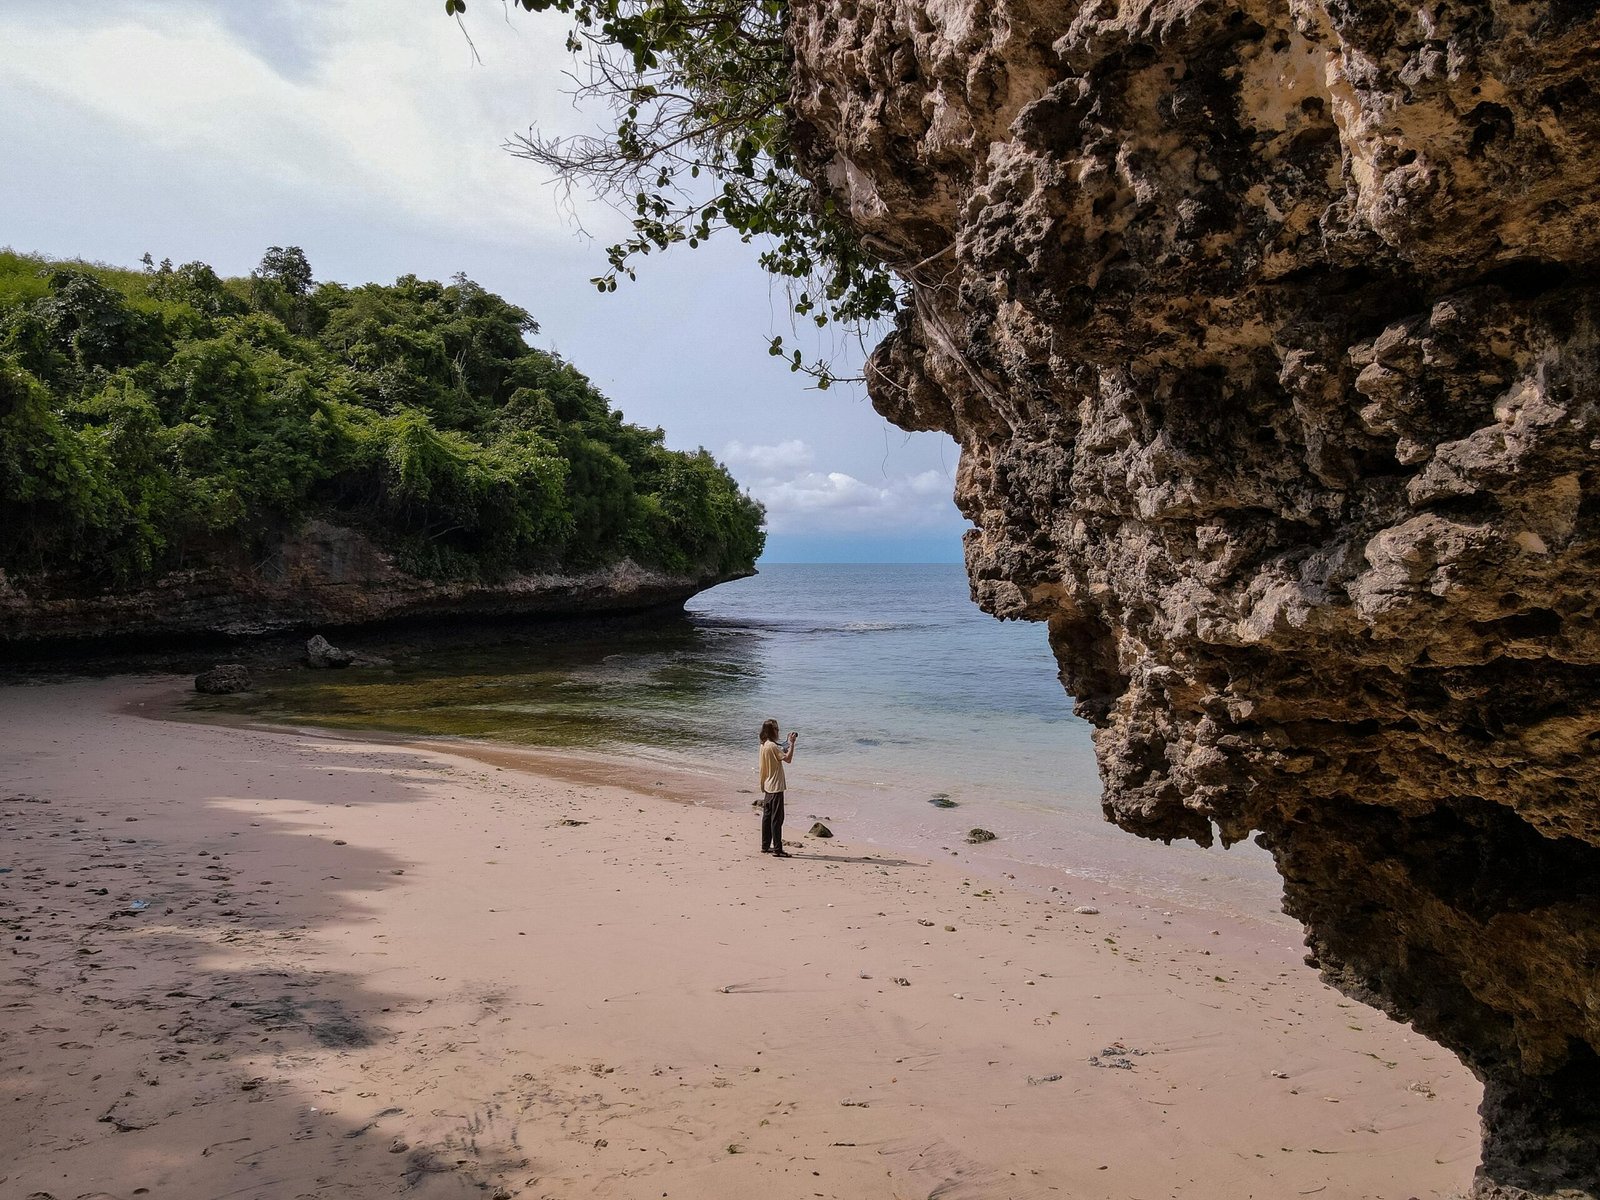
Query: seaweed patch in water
x=942 y=800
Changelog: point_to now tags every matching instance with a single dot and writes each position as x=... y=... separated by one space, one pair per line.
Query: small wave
x=780 y=625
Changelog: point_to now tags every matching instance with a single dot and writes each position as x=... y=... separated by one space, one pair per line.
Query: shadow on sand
x=164 y=1021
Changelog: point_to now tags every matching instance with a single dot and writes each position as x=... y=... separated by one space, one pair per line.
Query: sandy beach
x=246 y=963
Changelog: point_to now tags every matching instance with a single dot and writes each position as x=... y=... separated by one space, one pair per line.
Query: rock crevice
x=1270 y=334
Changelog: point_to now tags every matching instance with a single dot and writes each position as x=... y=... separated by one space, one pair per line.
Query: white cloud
x=814 y=490
x=769 y=460
x=801 y=499
x=388 y=115
x=836 y=502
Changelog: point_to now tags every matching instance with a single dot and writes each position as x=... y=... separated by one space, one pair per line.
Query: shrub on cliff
x=149 y=420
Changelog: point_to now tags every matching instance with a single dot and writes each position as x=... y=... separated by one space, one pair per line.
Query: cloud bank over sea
x=802 y=497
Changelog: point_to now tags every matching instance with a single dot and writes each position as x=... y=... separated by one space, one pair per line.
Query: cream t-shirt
x=771 y=761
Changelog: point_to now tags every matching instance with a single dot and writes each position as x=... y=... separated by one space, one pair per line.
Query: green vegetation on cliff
x=151 y=419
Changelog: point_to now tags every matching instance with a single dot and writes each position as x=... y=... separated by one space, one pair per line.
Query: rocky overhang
x=1270 y=334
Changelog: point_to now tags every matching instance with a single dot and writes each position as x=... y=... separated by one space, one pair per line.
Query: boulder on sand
x=223 y=679
x=821 y=830
x=320 y=652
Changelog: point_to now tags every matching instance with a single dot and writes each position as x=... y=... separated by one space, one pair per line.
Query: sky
x=368 y=133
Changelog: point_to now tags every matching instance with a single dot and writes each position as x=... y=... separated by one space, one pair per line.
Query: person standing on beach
x=770 y=762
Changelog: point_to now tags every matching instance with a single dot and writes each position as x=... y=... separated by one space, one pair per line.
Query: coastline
x=1041 y=842
x=548 y=984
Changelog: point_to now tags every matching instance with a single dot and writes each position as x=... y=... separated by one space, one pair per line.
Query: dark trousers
x=772 y=820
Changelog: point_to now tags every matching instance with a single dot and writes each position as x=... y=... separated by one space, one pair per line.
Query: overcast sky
x=365 y=132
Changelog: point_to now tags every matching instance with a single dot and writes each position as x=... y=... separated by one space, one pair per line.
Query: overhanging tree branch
x=695 y=92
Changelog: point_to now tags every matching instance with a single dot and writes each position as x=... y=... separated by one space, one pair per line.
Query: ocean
x=920 y=719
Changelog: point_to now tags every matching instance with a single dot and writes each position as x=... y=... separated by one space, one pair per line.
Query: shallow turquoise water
x=893 y=678
x=901 y=689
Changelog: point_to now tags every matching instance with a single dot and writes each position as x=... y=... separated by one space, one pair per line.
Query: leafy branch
x=698 y=144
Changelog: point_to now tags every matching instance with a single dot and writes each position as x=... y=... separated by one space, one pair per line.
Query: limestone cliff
x=322 y=575
x=1270 y=334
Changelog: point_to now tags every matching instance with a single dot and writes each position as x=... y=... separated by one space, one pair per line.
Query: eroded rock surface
x=223 y=680
x=1269 y=334
x=323 y=574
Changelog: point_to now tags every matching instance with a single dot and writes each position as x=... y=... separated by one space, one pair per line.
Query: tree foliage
x=696 y=92
x=149 y=420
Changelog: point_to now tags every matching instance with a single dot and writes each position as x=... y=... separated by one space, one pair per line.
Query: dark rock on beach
x=223 y=680
x=321 y=653
x=977 y=836
x=819 y=830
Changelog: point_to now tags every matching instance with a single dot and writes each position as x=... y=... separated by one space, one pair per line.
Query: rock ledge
x=1270 y=334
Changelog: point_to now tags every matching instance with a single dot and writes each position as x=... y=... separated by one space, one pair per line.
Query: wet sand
x=252 y=963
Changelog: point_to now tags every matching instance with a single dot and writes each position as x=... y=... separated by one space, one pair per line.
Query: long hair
x=769 y=730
